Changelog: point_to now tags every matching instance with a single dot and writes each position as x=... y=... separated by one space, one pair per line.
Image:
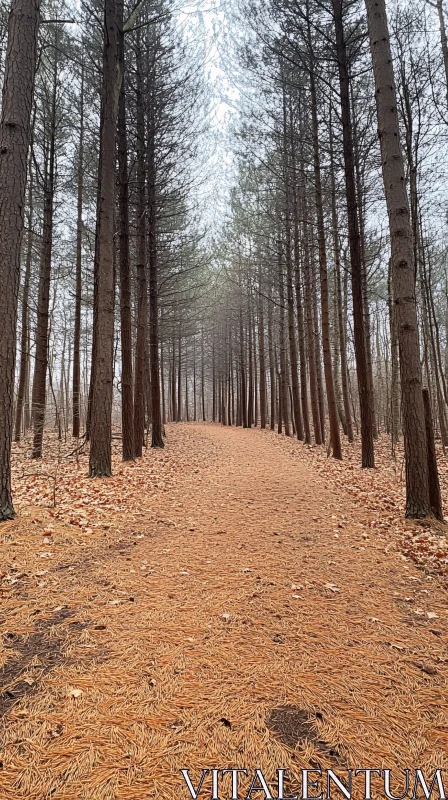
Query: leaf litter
x=194 y=659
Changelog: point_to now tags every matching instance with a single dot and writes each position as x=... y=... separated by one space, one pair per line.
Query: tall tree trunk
x=173 y=382
x=283 y=374
x=213 y=384
x=127 y=399
x=318 y=360
x=243 y=374
x=298 y=288
x=187 y=412
x=195 y=408
x=43 y=302
x=204 y=418
x=395 y=386
x=435 y=497
x=179 y=379
x=309 y=317
x=364 y=275
x=157 y=429
x=403 y=267
x=261 y=350
x=431 y=322
x=162 y=381
x=271 y=369
x=365 y=400
x=335 y=439
x=15 y=129
x=78 y=270
x=95 y=297
x=340 y=317
x=142 y=290
x=297 y=414
x=24 y=339
x=100 y=462
x=250 y=403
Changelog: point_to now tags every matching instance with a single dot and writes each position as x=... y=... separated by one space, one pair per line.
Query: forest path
x=258 y=590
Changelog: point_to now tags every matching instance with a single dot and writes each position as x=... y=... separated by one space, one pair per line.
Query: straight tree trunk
x=202 y=377
x=365 y=399
x=78 y=270
x=298 y=289
x=213 y=385
x=402 y=264
x=335 y=439
x=364 y=276
x=395 y=386
x=173 y=383
x=15 y=130
x=271 y=369
x=100 y=461
x=250 y=404
x=194 y=382
x=316 y=331
x=157 y=428
x=243 y=374
x=340 y=317
x=43 y=301
x=24 y=339
x=127 y=399
x=261 y=350
x=435 y=497
x=283 y=374
x=318 y=437
x=254 y=339
x=142 y=290
x=297 y=414
x=187 y=411
x=162 y=381
x=179 y=380
x=95 y=285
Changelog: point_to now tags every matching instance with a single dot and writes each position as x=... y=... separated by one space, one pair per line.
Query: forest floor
x=236 y=600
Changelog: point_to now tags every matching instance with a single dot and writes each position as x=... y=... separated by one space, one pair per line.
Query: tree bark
x=335 y=439
x=318 y=436
x=156 y=428
x=127 y=398
x=243 y=374
x=100 y=461
x=340 y=317
x=283 y=373
x=271 y=369
x=261 y=350
x=142 y=290
x=402 y=261
x=365 y=399
x=15 y=130
x=179 y=378
x=43 y=302
x=435 y=497
x=78 y=270
x=24 y=339
x=298 y=288
x=250 y=399
x=297 y=413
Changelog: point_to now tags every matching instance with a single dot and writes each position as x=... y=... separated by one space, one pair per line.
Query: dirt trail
x=258 y=591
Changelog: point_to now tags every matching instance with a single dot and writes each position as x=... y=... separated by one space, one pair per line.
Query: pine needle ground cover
x=236 y=600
